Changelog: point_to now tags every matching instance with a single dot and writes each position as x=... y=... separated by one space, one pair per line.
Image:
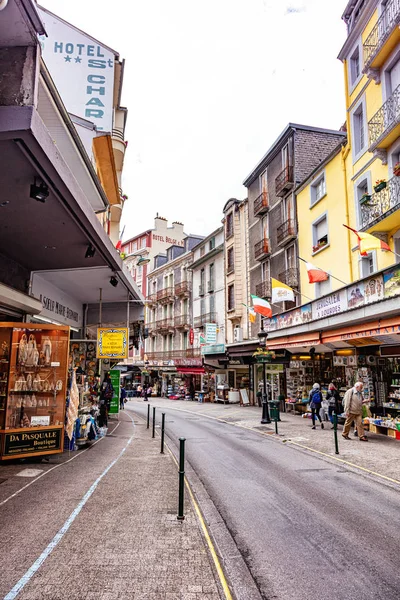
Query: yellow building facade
x=362 y=181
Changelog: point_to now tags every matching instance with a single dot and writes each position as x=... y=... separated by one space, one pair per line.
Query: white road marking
x=58 y=537
x=29 y=473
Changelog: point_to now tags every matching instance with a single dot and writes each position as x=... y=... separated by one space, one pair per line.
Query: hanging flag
x=368 y=242
x=281 y=292
x=315 y=274
x=118 y=245
x=252 y=315
x=262 y=307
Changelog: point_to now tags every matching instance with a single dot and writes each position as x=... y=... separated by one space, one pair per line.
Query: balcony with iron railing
x=263 y=289
x=165 y=355
x=262 y=249
x=284 y=182
x=383 y=37
x=165 y=324
x=384 y=127
x=151 y=298
x=165 y=295
x=151 y=327
x=382 y=205
x=261 y=204
x=211 y=285
x=290 y=277
x=183 y=288
x=182 y=322
x=201 y=320
x=286 y=231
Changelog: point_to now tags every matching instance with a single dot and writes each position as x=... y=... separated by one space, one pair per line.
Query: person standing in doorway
x=353 y=403
x=315 y=404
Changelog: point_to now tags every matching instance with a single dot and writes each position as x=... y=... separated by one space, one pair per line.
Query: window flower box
x=319 y=246
x=264 y=356
x=380 y=185
x=365 y=198
x=396 y=169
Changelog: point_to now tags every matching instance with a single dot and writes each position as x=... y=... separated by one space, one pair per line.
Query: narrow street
x=307 y=529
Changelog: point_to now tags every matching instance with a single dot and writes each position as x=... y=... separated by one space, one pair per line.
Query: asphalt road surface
x=308 y=529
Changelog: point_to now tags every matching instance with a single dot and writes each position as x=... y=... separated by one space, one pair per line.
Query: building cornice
x=358 y=29
x=206 y=257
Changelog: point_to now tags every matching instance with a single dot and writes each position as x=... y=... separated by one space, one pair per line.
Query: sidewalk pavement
x=380 y=455
x=127 y=543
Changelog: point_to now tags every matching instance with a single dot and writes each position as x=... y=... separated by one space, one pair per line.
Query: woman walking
x=315 y=404
x=333 y=398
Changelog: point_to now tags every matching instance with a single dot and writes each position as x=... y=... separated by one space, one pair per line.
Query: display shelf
x=23 y=392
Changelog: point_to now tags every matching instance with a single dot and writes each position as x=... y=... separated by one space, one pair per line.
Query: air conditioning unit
x=352 y=361
x=238 y=334
x=371 y=360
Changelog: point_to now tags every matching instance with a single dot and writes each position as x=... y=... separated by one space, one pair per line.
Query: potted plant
x=365 y=198
x=379 y=185
x=396 y=169
x=262 y=355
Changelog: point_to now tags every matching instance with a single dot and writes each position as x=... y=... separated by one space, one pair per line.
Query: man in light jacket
x=353 y=402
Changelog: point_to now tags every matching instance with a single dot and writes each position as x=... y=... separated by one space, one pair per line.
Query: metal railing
x=174 y=354
x=387 y=117
x=117 y=133
x=211 y=285
x=165 y=293
x=201 y=289
x=290 y=277
x=386 y=23
x=184 y=287
x=152 y=326
x=284 y=181
x=151 y=298
x=263 y=289
x=382 y=204
x=261 y=249
x=261 y=204
x=165 y=324
x=201 y=320
x=182 y=321
x=286 y=230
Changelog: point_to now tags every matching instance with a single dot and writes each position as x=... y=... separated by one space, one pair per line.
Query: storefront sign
x=57 y=305
x=188 y=362
x=213 y=349
x=211 y=333
x=31 y=442
x=329 y=305
x=191 y=337
x=112 y=343
x=298 y=316
x=83 y=71
x=115 y=376
x=391 y=282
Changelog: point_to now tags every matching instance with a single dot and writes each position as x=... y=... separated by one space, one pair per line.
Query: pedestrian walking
x=149 y=391
x=333 y=397
x=144 y=393
x=353 y=405
x=139 y=391
x=122 y=397
x=192 y=391
x=315 y=404
x=106 y=395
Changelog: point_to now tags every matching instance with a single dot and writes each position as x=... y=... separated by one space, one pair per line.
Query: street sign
x=112 y=343
x=191 y=337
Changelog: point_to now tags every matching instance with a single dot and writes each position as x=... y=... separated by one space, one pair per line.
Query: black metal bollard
x=148 y=416
x=162 y=432
x=335 y=433
x=181 y=516
x=154 y=422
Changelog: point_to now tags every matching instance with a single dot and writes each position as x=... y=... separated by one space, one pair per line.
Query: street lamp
x=262 y=336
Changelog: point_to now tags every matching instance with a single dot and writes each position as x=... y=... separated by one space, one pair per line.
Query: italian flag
x=262 y=307
x=315 y=274
x=368 y=242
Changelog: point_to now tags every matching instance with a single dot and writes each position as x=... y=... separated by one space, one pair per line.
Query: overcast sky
x=209 y=85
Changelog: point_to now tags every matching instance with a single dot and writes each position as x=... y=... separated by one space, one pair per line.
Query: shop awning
x=18 y=300
x=302 y=341
x=384 y=331
x=191 y=370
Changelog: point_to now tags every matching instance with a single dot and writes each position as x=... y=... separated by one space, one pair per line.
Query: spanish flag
x=315 y=274
x=368 y=242
x=281 y=292
x=261 y=306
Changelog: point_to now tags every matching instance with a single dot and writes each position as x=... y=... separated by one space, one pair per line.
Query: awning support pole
x=101 y=307
x=127 y=312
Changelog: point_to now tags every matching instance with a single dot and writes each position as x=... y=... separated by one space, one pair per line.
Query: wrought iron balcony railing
x=152 y=326
x=151 y=298
x=385 y=119
x=286 y=231
x=382 y=204
x=165 y=324
x=183 y=288
x=290 y=277
x=182 y=321
x=262 y=249
x=284 y=182
x=165 y=294
x=263 y=290
x=174 y=354
x=206 y=318
x=387 y=22
x=261 y=204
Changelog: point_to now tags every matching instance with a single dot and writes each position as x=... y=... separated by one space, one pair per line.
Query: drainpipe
x=344 y=154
